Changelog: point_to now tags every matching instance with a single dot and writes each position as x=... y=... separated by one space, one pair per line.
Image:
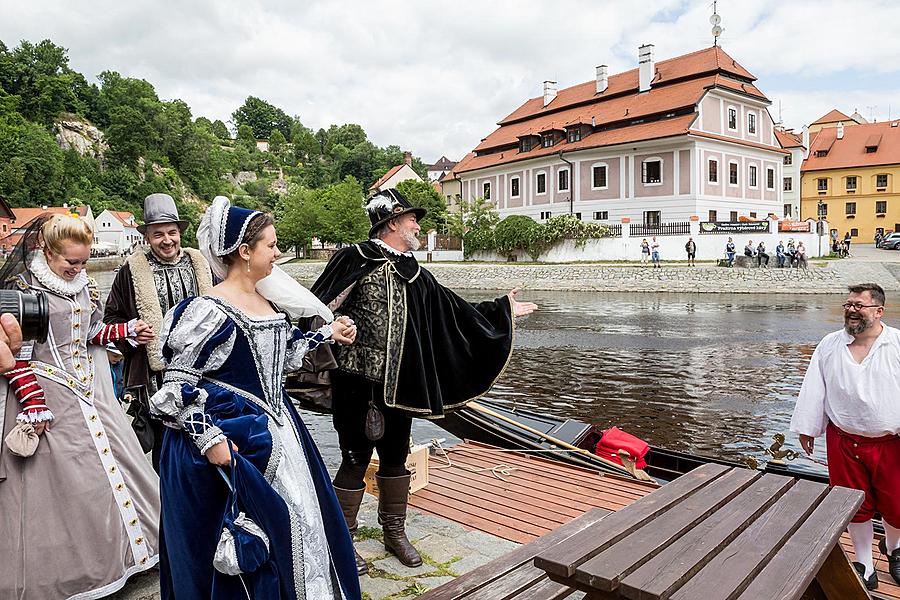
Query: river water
x=714 y=374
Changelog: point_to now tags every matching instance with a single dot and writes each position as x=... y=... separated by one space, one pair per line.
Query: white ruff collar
x=384 y=246
x=53 y=282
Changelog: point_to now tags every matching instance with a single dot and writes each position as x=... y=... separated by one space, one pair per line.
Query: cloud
x=436 y=77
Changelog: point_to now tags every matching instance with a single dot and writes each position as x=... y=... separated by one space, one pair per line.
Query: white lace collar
x=53 y=282
x=393 y=251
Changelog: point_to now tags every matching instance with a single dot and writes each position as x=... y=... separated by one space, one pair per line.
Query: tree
x=221 y=131
x=298 y=217
x=277 y=143
x=262 y=117
x=246 y=138
x=345 y=135
x=423 y=195
x=344 y=220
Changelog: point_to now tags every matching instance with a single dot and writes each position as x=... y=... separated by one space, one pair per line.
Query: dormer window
x=574 y=134
x=547 y=140
x=871 y=149
x=525 y=144
x=821 y=153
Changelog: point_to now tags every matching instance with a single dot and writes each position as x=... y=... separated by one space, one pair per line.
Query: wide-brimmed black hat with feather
x=387 y=205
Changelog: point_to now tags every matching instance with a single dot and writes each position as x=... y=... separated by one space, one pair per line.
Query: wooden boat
x=573 y=442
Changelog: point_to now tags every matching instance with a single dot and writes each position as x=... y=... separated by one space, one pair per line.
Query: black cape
x=453 y=350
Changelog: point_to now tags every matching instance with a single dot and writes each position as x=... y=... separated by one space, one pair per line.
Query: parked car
x=891 y=242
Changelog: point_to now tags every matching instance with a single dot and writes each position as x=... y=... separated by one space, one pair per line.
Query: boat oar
x=630 y=469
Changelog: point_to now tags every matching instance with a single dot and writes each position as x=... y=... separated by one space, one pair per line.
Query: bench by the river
x=716 y=533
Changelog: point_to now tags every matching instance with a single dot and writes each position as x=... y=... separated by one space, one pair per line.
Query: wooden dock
x=519 y=496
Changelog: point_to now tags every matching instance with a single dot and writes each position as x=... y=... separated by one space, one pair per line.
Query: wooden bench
x=716 y=533
x=514 y=576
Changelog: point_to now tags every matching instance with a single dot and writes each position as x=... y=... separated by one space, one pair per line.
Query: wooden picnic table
x=716 y=533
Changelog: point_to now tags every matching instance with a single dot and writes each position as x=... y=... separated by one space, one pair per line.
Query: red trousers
x=868 y=464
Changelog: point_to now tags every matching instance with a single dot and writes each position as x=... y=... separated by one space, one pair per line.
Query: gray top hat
x=160 y=208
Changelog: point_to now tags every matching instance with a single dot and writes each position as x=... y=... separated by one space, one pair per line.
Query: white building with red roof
x=395 y=175
x=661 y=143
x=116 y=230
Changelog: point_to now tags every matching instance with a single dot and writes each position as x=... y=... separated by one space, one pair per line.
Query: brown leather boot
x=393 y=495
x=350 y=501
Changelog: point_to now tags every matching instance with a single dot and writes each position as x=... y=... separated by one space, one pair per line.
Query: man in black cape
x=420 y=350
x=150 y=283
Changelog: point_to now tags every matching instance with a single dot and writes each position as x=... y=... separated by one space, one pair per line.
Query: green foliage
x=518 y=232
x=157 y=145
x=262 y=118
x=479 y=220
x=423 y=195
x=246 y=138
x=345 y=220
x=569 y=227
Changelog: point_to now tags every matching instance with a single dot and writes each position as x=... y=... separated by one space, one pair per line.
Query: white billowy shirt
x=859 y=398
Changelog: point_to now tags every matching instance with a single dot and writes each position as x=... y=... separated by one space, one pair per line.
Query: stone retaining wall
x=833 y=278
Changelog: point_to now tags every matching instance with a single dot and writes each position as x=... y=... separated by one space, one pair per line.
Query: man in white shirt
x=851 y=392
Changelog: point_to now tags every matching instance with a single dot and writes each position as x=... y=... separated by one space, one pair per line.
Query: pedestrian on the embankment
x=654 y=253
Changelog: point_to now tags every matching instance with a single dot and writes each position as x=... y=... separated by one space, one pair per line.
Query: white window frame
x=536 y=188
x=599 y=213
x=568 y=179
x=712 y=159
x=752 y=180
x=737 y=171
x=511 y=179
x=597 y=165
x=847 y=183
x=737 y=120
x=486 y=191
x=787 y=180
x=752 y=118
x=772 y=171
x=546 y=214
x=661 y=170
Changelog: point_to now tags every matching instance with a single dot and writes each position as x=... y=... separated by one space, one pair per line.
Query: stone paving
x=447 y=548
x=822 y=277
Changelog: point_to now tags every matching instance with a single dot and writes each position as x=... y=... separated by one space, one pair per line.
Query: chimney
x=646 y=66
x=805 y=142
x=602 y=78
x=840 y=130
x=407 y=158
x=549 y=92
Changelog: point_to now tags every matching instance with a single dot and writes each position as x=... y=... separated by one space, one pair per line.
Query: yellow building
x=854 y=172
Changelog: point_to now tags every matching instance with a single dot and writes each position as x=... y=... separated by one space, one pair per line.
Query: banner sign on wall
x=735 y=227
x=796 y=226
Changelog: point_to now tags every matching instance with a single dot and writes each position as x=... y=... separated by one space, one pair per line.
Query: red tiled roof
x=851 y=150
x=25 y=215
x=706 y=61
x=788 y=139
x=124 y=217
x=622 y=135
x=391 y=172
x=621 y=112
x=832 y=117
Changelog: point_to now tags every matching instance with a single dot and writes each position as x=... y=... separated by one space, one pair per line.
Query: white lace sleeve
x=197 y=337
x=304 y=342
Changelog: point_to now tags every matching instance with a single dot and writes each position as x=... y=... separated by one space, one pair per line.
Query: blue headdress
x=220 y=233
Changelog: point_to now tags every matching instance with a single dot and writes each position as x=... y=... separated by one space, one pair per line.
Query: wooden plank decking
x=519 y=496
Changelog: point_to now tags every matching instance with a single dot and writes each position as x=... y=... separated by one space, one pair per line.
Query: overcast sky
x=435 y=77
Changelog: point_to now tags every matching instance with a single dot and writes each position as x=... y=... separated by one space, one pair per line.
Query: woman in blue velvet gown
x=225 y=354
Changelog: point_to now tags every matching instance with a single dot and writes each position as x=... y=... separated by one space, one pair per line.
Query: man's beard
x=410 y=238
x=856 y=327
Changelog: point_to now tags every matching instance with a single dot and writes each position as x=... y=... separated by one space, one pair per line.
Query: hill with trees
x=111 y=142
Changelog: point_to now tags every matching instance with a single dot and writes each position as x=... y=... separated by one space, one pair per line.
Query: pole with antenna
x=715 y=21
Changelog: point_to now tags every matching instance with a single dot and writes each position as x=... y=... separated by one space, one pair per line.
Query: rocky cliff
x=81 y=136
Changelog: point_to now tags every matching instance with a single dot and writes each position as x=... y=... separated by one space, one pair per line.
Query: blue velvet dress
x=224 y=380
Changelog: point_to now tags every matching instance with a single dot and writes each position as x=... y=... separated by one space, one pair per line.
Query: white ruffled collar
x=50 y=280
x=384 y=246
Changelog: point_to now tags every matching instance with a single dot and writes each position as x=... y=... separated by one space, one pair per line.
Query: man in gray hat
x=150 y=283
